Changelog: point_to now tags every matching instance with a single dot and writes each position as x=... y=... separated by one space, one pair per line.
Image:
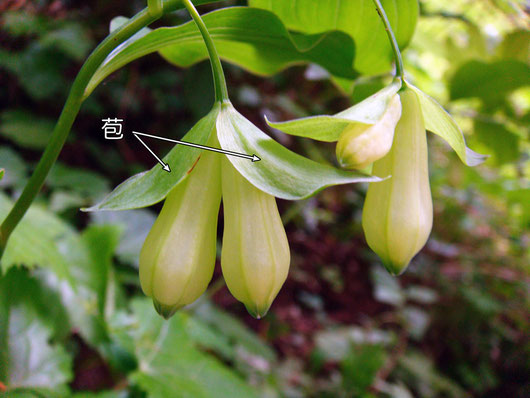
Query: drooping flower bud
x=362 y=144
x=178 y=256
x=255 y=256
x=397 y=213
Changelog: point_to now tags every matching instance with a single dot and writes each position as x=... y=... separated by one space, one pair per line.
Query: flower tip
x=395 y=269
x=256 y=312
x=165 y=311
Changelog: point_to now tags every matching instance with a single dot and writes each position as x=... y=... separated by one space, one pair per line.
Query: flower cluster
x=387 y=133
x=178 y=256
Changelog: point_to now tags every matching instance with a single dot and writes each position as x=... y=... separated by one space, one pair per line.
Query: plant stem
x=393 y=42
x=71 y=109
x=221 y=91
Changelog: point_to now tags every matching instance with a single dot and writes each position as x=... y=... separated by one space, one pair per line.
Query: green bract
x=439 y=122
x=281 y=172
x=397 y=213
x=370 y=112
x=329 y=128
x=147 y=188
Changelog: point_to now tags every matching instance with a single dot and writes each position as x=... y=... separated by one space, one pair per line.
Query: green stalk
x=72 y=107
x=400 y=71
x=221 y=91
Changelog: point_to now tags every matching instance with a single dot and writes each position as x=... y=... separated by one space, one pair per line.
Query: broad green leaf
x=227 y=325
x=211 y=339
x=439 y=122
x=360 y=367
x=36 y=392
x=329 y=128
x=61 y=201
x=25 y=129
x=499 y=139
x=71 y=39
x=422 y=369
x=135 y=225
x=489 y=81
x=35 y=241
x=254 y=39
x=357 y=18
x=81 y=274
x=2 y=172
x=148 y=188
x=281 y=172
x=84 y=182
x=28 y=358
x=19 y=23
x=39 y=70
x=516 y=45
x=170 y=365
x=89 y=299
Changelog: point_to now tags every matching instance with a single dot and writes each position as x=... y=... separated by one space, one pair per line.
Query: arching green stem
x=395 y=47
x=72 y=107
x=221 y=91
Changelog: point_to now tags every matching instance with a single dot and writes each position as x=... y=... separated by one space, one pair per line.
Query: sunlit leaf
x=358 y=18
x=516 y=45
x=489 y=81
x=254 y=39
x=499 y=140
x=280 y=172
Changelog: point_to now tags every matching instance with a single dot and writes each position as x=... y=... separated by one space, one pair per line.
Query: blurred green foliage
x=73 y=321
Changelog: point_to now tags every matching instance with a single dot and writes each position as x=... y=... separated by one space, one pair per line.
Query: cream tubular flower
x=255 y=256
x=360 y=144
x=397 y=214
x=178 y=257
